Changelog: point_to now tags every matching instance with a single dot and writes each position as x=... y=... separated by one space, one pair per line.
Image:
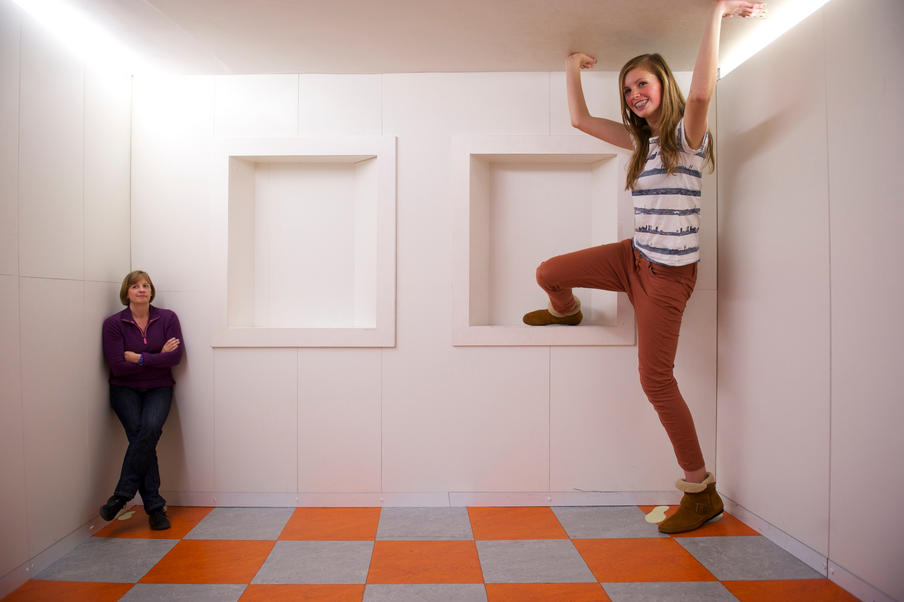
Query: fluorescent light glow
x=773 y=26
x=81 y=36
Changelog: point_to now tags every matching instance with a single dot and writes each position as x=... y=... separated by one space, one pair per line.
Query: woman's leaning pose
x=141 y=345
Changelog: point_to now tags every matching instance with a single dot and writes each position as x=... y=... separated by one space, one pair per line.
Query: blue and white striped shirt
x=667 y=207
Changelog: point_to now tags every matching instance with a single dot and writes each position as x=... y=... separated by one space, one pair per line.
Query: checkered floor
x=425 y=554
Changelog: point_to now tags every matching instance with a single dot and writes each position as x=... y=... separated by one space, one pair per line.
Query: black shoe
x=109 y=510
x=158 y=520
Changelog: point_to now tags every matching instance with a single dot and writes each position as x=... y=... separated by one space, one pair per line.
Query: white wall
x=810 y=287
x=424 y=418
x=863 y=50
x=64 y=246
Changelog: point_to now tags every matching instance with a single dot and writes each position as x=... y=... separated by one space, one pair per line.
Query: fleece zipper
x=144 y=333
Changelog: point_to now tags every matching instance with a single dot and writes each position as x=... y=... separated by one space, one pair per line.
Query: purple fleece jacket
x=121 y=334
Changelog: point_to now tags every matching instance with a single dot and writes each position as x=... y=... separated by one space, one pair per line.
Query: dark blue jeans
x=142 y=413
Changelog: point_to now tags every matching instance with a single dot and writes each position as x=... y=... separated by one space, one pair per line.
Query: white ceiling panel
x=405 y=36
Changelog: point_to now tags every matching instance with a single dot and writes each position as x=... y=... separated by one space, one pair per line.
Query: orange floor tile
x=544 y=592
x=637 y=560
x=336 y=524
x=727 y=525
x=68 y=591
x=425 y=562
x=200 y=561
x=515 y=523
x=788 y=591
x=134 y=523
x=305 y=593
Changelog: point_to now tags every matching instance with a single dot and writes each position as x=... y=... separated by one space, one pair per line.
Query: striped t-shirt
x=667 y=207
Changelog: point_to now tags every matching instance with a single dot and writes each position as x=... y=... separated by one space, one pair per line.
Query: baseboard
x=423 y=499
x=27 y=570
x=855 y=585
x=798 y=549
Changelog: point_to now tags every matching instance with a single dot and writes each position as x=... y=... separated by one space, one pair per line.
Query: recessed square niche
x=307 y=243
x=520 y=200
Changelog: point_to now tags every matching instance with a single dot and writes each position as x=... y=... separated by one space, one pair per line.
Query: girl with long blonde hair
x=657 y=268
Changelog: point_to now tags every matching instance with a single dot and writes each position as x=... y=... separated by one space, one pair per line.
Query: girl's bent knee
x=546 y=275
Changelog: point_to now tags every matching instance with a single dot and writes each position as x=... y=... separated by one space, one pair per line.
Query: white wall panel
x=605 y=435
x=340 y=104
x=51 y=159
x=773 y=431
x=54 y=395
x=339 y=420
x=466 y=420
x=172 y=177
x=10 y=27
x=695 y=367
x=12 y=456
x=108 y=108
x=107 y=442
x=864 y=82
x=433 y=394
x=259 y=106
x=435 y=105
x=601 y=91
x=426 y=111
x=256 y=420
x=186 y=449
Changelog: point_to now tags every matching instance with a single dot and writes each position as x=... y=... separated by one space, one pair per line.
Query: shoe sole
x=709 y=520
x=105 y=515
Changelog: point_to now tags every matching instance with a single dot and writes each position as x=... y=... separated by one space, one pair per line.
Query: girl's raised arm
x=704 y=80
x=610 y=131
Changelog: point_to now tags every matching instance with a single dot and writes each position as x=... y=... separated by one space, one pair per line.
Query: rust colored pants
x=659 y=294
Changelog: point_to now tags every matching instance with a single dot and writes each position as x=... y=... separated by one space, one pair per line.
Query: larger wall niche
x=523 y=199
x=307 y=243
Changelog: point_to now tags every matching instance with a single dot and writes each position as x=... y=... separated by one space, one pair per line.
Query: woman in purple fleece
x=141 y=345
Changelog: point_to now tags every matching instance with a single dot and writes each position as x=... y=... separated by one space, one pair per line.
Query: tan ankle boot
x=545 y=317
x=699 y=504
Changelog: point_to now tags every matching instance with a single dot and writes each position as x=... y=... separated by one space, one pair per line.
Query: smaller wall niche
x=521 y=200
x=306 y=241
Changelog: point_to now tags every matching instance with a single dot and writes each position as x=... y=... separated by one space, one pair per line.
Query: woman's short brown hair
x=130 y=279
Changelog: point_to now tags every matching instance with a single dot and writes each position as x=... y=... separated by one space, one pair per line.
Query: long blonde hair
x=671 y=112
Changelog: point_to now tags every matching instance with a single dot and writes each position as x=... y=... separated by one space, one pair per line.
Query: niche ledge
x=519 y=200
x=305 y=242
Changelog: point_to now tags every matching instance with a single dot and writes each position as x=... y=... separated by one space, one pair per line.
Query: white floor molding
x=25 y=571
x=855 y=585
x=788 y=543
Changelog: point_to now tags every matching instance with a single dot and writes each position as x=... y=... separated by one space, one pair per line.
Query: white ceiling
x=406 y=36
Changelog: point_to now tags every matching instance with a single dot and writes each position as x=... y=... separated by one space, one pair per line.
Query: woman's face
x=140 y=292
x=643 y=93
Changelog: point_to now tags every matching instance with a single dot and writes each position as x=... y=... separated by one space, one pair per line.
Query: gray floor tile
x=424 y=524
x=746 y=558
x=596 y=522
x=469 y=592
x=154 y=592
x=532 y=561
x=312 y=562
x=242 y=523
x=109 y=559
x=693 y=591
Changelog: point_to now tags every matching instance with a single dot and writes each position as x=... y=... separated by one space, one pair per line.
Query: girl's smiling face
x=643 y=94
